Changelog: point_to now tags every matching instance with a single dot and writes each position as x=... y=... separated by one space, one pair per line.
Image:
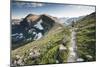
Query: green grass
x=48 y=46
x=86 y=38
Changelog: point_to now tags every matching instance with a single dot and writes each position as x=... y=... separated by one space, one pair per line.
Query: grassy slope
x=86 y=37
x=48 y=46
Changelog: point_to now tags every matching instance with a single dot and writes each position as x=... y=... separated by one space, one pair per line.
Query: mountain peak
x=31 y=17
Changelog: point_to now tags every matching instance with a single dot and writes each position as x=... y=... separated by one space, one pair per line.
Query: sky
x=21 y=9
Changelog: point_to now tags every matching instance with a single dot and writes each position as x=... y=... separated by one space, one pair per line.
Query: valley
x=42 y=39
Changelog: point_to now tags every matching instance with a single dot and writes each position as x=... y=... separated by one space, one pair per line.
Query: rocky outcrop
x=29 y=21
x=21 y=60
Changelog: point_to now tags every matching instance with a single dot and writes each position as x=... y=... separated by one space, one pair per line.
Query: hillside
x=48 y=47
x=86 y=37
x=57 y=41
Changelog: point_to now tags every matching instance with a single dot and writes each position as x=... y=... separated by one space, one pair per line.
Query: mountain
x=75 y=19
x=15 y=21
x=63 y=19
x=32 y=27
x=68 y=21
x=53 y=46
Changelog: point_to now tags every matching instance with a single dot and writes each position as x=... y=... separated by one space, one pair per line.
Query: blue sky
x=22 y=9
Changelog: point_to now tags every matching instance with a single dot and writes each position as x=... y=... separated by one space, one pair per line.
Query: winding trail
x=73 y=47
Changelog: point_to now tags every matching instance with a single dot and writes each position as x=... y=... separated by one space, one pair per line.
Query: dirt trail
x=73 y=47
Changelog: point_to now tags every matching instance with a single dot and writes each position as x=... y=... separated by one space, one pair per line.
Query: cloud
x=28 y=4
x=37 y=4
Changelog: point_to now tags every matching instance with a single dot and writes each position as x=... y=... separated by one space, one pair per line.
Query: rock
x=73 y=54
x=31 y=54
x=37 y=54
x=25 y=59
x=89 y=56
x=80 y=59
x=31 y=49
x=62 y=47
x=71 y=58
x=20 y=62
x=57 y=61
x=28 y=57
x=21 y=57
x=34 y=54
x=14 y=63
x=17 y=57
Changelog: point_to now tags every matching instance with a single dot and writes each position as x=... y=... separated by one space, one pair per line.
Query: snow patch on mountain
x=38 y=25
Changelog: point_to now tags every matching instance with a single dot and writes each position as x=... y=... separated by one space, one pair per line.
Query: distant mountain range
x=67 y=21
